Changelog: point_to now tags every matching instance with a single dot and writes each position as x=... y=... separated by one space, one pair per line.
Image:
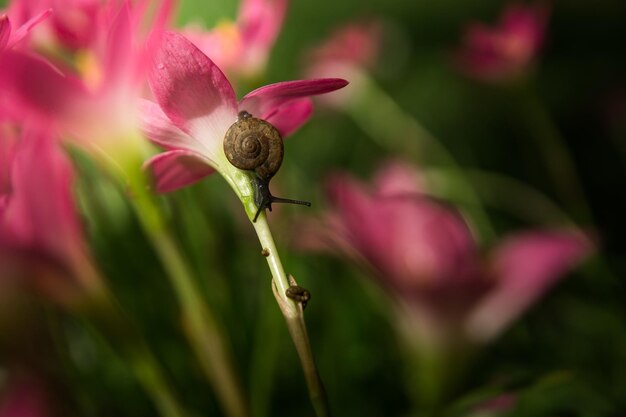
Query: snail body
x=255 y=145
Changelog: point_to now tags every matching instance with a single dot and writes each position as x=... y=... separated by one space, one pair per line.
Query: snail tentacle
x=255 y=145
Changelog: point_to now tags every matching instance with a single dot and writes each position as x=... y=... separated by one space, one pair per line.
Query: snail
x=255 y=145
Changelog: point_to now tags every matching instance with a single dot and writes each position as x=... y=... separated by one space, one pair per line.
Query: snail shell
x=255 y=145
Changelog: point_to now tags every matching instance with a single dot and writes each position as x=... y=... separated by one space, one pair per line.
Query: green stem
x=102 y=309
x=265 y=356
x=111 y=320
x=203 y=331
x=294 y=318
x=554 y=151
x=392 y=128
x=504 y=193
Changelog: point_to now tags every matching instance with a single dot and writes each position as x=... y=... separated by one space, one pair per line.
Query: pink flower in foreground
x=349 y=52
x=75 y=25
x=197 y=105
x=97 y=108
x=424 y=254
x=506 y=51
x=41 y=235
x=9 y=37
x=243 y=47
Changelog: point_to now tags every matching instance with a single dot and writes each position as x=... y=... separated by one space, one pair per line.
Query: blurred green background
x=567 y=357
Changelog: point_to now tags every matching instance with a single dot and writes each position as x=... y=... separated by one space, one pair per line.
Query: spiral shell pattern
x=255 y=145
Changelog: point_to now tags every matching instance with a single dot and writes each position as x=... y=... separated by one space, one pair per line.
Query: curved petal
x=23 y=30
x=159 y=129
x=189 y=86
x=526 y=266
x=260 y=21
x=264 y=102
x=176 y=169
x=5 y=31
x=25 y=396
x=40 y=214
x=8 y=147
x=36 y=86
x=119 y=56
x=289 y=117
x=397 y=178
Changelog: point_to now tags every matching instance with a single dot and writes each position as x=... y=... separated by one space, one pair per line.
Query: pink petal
x=354 y=43
x=119 y=50
x=260 y=22
x=5 y=31
x=414 y=243
x=25 y=396
x=526 y=22
x=8 y=147
x=176 y=169
x=289 y=117
x=327 y=234
x=266 y=101
x=188 y=85
x=526 y=266
x=397 y=178
x=34 y=85
x=157 y=127
x=23 y=30
x=504 y=51
x=40 y=214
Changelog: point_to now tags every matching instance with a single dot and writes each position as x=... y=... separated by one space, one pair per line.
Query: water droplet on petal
x=160 y=66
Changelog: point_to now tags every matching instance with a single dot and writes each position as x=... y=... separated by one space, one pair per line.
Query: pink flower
x=9 y=37
x=357 y=44
x=197 y=105
x=243 y=48
x=41 y=235
x=96 y=109
x=425 y=255
x=75 y=25
x=24 y=397
x=507 y=51
x=349 y=53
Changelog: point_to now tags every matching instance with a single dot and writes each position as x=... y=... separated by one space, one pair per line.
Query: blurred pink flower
x=75 y=25
x=497 y=406
x=97 y=108
x=10 y=37
x=349 y=52
x=242 y=48
x=357 y=44
x=41 y=235
x=24 y=396
x=424 y=253
x=507 y=51
x=197 y=105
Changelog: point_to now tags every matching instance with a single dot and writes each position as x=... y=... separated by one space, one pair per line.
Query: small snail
x=255 y=145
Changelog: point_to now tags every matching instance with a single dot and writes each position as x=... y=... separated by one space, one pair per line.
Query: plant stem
x=294 y=317
x=265 y=356
x=502 y=192
x=101 y=308
x=110 y=319
x=554 y=151
x=392 y=128
x=203 y=331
